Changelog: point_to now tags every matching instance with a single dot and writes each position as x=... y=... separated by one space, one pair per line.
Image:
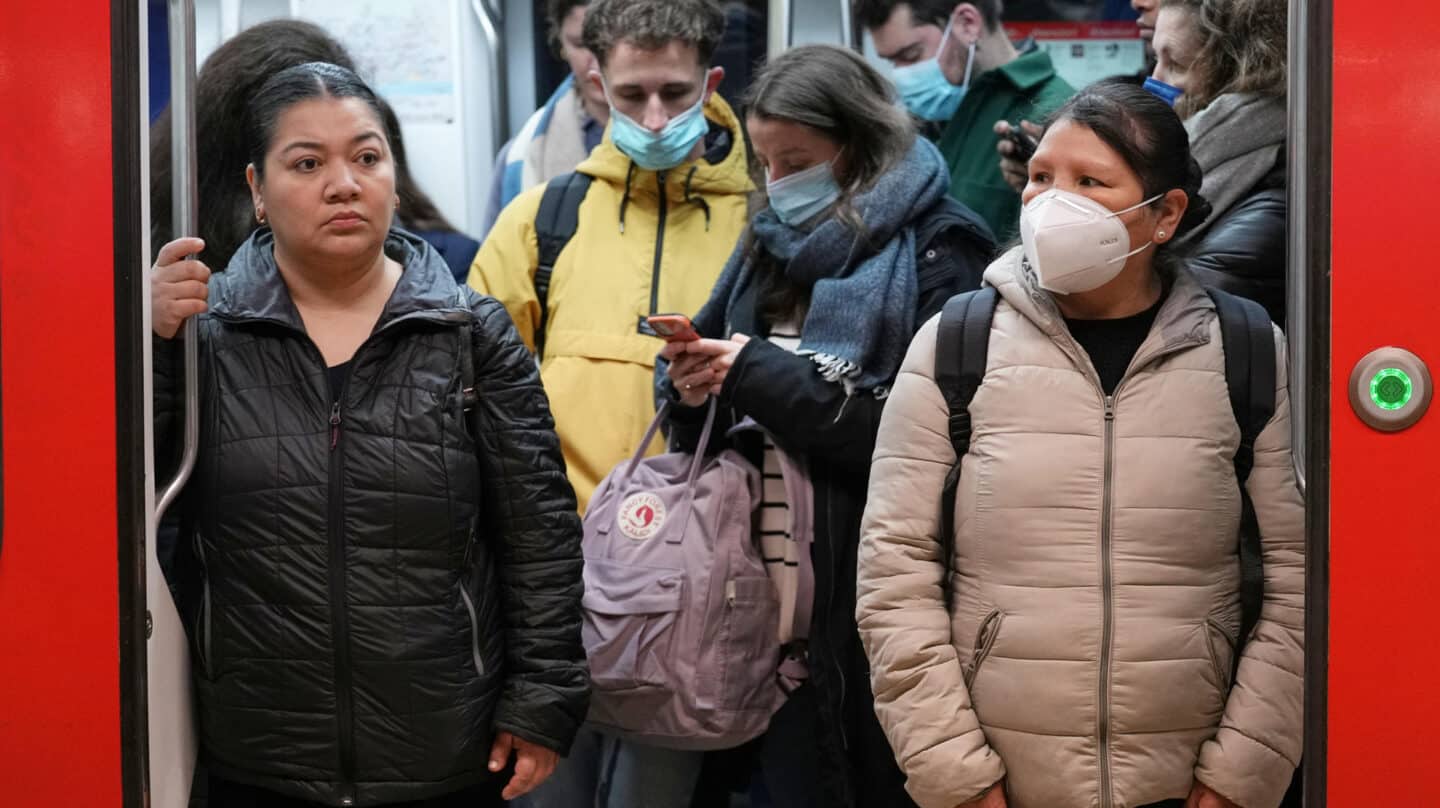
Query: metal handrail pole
x=186 y=218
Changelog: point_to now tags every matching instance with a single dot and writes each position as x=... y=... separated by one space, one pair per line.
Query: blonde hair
x=1241 y=48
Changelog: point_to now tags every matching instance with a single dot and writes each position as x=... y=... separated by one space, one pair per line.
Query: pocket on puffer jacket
x=1222 y=652
x=985 y=637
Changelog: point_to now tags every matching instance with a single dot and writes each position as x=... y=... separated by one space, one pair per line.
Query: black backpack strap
x=468 y=396
x=1248 y=340
x=962 y=347
x=555 y=224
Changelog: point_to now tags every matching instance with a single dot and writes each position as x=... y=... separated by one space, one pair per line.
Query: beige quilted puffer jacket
x=1088 y=658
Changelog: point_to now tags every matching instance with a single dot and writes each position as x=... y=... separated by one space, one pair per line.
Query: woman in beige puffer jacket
x=1087 y=659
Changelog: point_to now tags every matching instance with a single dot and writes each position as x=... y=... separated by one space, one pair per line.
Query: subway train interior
x=95 y=694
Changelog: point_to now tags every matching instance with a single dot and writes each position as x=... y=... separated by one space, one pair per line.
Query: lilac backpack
x=680 y=617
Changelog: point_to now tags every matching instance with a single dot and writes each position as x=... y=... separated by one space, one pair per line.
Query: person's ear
x=713 y=77
x=967 y=24
x=252 y=178
x=1172 y=210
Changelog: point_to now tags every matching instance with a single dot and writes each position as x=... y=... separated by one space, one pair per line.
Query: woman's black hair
x=227 y=80
x=224 y=88
x=1148 y=136
x=291 y=86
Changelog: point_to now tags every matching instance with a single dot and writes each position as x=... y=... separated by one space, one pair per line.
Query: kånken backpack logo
x=641 y=516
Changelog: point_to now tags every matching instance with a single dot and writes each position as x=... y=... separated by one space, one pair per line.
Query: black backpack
x=962 y=345
x=555 y=224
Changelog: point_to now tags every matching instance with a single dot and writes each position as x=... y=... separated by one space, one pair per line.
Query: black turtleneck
x=1112 y=344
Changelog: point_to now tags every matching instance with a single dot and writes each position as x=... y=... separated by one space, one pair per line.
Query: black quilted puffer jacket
x=377 y=592
x=1243 y=252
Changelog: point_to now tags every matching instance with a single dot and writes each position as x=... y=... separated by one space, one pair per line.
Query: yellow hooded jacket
x=647 y=242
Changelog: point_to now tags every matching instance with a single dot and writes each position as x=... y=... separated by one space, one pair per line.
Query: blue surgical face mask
x=924 y=88
x=802 y=196
x=1168 y=93
x=663 y=150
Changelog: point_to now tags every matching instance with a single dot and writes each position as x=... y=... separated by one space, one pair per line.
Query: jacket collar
x=1028 y=70
x=723 y=169
x=252 y=289
x=1183 y=320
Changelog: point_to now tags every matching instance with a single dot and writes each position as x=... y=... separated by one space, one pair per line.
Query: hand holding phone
x=1024 y=143
x=673 y=327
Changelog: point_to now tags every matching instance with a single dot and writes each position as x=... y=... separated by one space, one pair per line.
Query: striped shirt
x=777 y=545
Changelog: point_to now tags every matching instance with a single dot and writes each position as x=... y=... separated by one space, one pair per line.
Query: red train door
x=72 y=633
x=1383 y=704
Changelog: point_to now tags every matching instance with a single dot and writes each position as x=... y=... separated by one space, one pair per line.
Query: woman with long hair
x=855 y=244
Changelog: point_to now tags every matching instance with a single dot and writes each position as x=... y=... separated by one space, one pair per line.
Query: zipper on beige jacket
x=1107 y=579
x=1107 y=585
x=1147 y=354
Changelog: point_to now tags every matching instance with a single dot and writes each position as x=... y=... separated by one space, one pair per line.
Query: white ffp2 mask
x=1074 y=243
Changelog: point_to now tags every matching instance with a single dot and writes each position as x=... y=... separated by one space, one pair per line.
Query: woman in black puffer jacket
x=387 y=549
x=1228 y=56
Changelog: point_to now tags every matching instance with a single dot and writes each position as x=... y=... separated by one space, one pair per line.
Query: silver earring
x=1161 y=234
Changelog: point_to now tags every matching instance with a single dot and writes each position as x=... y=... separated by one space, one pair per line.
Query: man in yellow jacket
x=662 y=215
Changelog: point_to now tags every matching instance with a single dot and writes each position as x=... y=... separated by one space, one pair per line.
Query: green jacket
x=1026 y=88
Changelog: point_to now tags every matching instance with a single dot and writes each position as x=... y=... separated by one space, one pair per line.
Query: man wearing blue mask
x=653 y=213
x=644 y=226
x=955 y=66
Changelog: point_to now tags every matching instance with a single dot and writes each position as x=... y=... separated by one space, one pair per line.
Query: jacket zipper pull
x=1109 y=408
x=334 y=426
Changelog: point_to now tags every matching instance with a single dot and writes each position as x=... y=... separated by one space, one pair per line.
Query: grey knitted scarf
x=863 y=286
x=1237 y=141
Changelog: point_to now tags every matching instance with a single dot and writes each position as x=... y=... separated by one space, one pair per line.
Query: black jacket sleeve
x=529 y=508
x=786 y=394
x=1244 y=252
x=167 y=398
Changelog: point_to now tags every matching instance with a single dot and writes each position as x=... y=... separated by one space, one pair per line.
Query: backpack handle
x=702 y=445
x=696 y=463
x=654 y=427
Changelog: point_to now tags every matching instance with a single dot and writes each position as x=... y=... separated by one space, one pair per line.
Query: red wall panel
x=1385 y=529
x=59 y=651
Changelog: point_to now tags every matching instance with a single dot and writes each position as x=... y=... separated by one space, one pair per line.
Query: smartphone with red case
x=673 y=327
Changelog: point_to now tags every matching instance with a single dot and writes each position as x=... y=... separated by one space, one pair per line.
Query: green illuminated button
x=1391 y=389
